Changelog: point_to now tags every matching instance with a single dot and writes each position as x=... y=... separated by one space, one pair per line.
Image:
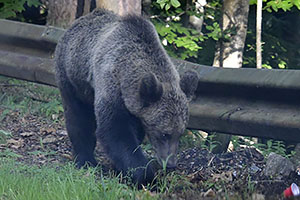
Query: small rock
x=278 y=166
x=54 y=117
x=224 y=176
x=62 y=132
x=256 y=196
x=296 y=157
x=234 y=173
x=254 y=169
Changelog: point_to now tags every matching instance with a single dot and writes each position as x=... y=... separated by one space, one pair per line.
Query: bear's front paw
x=83 y=162
x=143 y=175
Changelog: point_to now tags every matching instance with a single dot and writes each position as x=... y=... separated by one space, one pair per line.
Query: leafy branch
x=10 y=8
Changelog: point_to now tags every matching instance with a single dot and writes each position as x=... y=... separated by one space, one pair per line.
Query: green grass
x=22 y=182
x=276 y=146
x=4 y=135
x=29 y=98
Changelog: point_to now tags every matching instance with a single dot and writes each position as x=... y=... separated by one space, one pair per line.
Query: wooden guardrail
x=249 y=102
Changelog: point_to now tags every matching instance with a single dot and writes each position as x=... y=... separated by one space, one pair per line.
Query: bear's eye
x=166 y=136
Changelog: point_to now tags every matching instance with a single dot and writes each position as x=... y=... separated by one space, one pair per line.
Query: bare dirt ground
x=35 y=140
x=38 y=142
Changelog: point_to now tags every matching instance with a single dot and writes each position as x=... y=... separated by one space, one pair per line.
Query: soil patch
x=36 y=140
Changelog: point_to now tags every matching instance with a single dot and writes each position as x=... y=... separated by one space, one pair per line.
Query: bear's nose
x=172 y=163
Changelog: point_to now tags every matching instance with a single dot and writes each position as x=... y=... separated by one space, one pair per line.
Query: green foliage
x=4 y=135
x=211 y=143
x=215 y=31
x=10 y=8
x=8 y=153
x=191 y=138
x=275 y=5
x=52 y=108
x=275 y=146
x=30 y=98
x=167 y=183
x=19 y=181
x=279 y=36
x=183 y=39
x=250 y=185
x=180 y=40
x=167 y=4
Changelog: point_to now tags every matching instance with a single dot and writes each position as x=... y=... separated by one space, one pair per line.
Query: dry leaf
x=209 y=193
x=50 y=130
x=27 y=134
x=15 y=143
x=67 y=156
x=49 y=139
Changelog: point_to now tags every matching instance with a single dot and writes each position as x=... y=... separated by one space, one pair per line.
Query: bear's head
x=164 y=113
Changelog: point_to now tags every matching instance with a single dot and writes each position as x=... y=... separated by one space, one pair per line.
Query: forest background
x=191 y=29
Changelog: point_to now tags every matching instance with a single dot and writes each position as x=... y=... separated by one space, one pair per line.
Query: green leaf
x=266 y=66
x=297 y=4
x=175 y=3
x=162 y=5
x=179 y=10
x=34 y=3
x=210 y=28
x=282 y=64
x=167 y=6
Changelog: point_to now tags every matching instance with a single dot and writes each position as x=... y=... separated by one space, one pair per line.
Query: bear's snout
x=167 y=157
x=172 y=163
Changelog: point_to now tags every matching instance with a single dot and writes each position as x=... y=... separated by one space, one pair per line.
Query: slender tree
x=61 y=13
x=229 y=51
x=258 y=34
x=234 y=21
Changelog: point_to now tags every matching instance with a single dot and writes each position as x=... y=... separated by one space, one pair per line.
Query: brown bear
x=117 y=85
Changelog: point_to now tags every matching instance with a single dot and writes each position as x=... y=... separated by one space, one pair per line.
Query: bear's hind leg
x=81 y=126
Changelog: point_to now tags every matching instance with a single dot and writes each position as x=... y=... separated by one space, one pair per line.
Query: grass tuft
x=23 y=182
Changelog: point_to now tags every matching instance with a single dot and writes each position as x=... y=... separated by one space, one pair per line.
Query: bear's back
x=81 y=35
x=108 y=46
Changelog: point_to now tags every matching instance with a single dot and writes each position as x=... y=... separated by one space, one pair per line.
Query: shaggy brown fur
x=118 y=84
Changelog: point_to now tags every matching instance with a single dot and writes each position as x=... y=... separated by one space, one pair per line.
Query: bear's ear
x=150 y=89
x=189 y=83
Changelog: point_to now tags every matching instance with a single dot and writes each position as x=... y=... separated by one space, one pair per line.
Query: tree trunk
x=258 y=34
x=61 y=13
x=197 y=22
x=83 y=7
x=230 y=53
x=235 y=17
x=121 y=7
